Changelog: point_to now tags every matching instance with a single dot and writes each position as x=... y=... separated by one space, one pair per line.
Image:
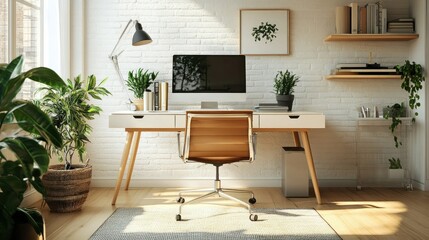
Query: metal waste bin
x=295 y=172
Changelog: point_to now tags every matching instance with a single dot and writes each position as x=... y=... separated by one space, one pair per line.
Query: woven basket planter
x=66 y=190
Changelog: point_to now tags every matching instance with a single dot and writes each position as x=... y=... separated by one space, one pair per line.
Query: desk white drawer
x=181 y=121
x=292 y=121
x=141 y=121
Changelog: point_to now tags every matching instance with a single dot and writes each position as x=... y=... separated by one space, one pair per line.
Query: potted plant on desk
x=22 y=159
x=67 y=185
x=284 y=84
x=138 y=83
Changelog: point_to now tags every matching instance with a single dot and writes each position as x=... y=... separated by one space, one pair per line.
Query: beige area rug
x=213 y=222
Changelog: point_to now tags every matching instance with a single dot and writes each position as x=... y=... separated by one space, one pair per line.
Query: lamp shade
x=140 y=37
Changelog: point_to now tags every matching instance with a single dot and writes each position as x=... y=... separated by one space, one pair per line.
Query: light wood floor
x=372 y=213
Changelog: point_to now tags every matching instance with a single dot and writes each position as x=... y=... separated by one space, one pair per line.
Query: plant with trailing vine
x=412 y=76
x=266 y=31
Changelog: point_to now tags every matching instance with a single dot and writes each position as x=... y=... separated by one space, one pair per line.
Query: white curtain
x=57 y=36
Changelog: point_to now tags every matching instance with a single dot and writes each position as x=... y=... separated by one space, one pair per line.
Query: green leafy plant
x=412 y=82
x=70 y=109
x=22 y=126
x=285 y=82
x=139 y=81
x=265 y=31
x=395 y=112
x=395 y=163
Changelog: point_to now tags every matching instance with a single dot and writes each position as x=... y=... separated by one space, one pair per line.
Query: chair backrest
x=219 y=137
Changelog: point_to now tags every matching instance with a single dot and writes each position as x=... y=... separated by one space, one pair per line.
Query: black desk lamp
x=140 y=37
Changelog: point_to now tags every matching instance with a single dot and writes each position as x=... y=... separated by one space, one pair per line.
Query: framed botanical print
x=264 y=31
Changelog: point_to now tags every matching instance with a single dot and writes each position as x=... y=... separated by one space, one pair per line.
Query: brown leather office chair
x=218 y=137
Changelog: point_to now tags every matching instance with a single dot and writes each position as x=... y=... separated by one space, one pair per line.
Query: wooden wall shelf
x=370 y=37
x=356 y=76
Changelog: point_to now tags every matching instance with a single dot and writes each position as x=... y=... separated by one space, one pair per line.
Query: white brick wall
x=212 y=27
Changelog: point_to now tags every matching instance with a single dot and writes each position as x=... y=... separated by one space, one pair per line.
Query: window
x=21 y=34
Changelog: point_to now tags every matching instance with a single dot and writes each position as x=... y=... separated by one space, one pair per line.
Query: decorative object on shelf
x=22 y=126
x=70 y=108
x=284 y=84
x=140 y=37
x=138 y=82
x=395 y=168
x=264 y=31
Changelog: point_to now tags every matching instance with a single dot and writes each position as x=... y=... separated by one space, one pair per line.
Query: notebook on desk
x=270 y=107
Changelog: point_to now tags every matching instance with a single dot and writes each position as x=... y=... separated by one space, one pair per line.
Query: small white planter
x=396 y=173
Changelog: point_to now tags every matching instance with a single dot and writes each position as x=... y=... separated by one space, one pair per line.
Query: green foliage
x=265 y=31
x=412 y=81
x=285 y=82
x=139 y=81
x=70 y=109
x=395 y=112
x=28 y=123
x=395 y=163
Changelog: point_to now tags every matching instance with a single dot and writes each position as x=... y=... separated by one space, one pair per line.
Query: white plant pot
x=396 y=173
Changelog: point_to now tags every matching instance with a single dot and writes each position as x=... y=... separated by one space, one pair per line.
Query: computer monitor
x=220 y=78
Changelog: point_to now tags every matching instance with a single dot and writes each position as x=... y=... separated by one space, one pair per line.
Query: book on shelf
x=383 y=20
x=350 y=65
x=354 y=17
x=363 y=70
x=156 y=96
x=163 y=100
x=362 y=20
x=342 y=20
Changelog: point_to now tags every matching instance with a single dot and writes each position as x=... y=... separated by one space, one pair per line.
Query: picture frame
x=264 y=32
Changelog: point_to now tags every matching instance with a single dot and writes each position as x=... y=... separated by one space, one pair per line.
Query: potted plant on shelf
x=22 y=159
x=284 y=84
x=67 y=185
x=412 y=76
x=138 y=82
x=395 y=168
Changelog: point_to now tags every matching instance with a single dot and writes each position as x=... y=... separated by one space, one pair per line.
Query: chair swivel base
x=221 y=192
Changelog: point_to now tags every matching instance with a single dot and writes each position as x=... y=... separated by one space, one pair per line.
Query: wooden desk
x=174 y=121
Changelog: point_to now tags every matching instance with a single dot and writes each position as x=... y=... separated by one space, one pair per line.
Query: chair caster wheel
x=180 y=200
x=252 y=200
x=253 y=217
x=178 y=217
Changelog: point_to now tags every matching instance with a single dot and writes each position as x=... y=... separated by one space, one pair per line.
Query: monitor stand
x=209 y=105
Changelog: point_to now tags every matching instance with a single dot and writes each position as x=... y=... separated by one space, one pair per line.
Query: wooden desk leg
x=296 y=139
x=133 y=159
x=312 y=170
x=124 y=160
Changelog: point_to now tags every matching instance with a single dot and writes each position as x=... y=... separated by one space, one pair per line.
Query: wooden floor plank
x=373 y=213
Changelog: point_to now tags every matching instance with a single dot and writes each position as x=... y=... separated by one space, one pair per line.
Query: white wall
x=212 y=27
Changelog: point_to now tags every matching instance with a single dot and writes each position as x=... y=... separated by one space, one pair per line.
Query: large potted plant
x=138 y=82
x=22 y=159
x=284 y=84
x=67 y=185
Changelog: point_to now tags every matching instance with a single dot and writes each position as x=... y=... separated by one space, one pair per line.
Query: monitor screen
x=209 y=74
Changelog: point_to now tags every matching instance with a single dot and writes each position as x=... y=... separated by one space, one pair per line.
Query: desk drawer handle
x=139 y=117
x=294 y=117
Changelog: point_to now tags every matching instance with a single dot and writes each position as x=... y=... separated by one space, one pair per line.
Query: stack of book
x=270 y=107
x=363 y=69
x=401 y=25
x=160 y=95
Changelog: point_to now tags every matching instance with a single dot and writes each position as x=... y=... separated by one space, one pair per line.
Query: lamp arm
x=118 y=70
x=120 y=37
